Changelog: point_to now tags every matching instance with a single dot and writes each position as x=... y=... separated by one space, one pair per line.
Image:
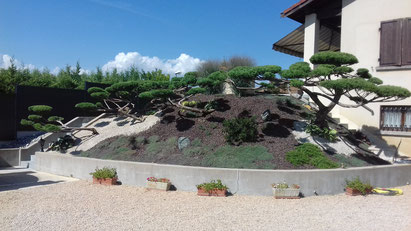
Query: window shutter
x=390 y=43
x=406 y=42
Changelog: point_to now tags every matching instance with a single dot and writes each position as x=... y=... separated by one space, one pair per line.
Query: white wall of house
x=360 y=36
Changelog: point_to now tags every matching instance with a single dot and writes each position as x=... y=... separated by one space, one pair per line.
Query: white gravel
x=80 y=205
x=110 y=127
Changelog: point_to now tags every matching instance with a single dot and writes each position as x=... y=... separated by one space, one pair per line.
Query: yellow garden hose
x=387 y=191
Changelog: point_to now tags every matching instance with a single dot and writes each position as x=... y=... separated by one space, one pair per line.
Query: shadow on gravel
x=102 y=124
x=13 y=181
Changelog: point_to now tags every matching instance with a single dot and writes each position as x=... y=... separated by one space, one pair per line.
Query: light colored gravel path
x=80 y=205
x=109 y=127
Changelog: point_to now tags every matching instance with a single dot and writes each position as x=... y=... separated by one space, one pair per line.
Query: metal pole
x=19 y=156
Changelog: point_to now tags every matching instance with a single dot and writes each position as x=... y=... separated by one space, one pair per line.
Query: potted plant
x=158 y=183
x=356 y=187
x=285 y=191
x=104 y=176
x=212 y=188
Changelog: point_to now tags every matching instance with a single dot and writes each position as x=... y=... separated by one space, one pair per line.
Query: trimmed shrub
x=240 y=130
x=86 y=106
x=197 y=90
x=40 y=109
x=309 y=154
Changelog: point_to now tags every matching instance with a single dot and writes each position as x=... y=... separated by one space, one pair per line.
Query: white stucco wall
x=360 y=36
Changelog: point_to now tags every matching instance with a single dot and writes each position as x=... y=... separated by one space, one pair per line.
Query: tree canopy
x=41 y=120
x=335 y=80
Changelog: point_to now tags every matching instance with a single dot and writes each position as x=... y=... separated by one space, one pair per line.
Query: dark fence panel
x=62 y=101
x=8 y=129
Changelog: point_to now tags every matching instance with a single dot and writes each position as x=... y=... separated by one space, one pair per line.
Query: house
x=378 y=33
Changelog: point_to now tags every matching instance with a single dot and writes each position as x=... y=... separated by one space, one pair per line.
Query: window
x=396 y=118
x=395 y=42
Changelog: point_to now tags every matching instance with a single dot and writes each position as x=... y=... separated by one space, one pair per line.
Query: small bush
x=326 y=133
x=190 y=103
x=104 y=173
x=358 y=185
x=285 y=186
x=309 y=154
x=212 y=185
x=240 y=130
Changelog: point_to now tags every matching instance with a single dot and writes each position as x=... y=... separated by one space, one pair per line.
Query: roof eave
x=293 y=13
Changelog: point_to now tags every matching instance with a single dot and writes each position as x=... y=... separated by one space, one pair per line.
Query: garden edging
x=239 y=181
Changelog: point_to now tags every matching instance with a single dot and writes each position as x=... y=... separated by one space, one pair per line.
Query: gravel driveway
x=80 y=205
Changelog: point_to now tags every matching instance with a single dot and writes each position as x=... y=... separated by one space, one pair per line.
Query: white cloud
x=55 y=71
x=122 y=61
x=184 y=63
x=6 y=60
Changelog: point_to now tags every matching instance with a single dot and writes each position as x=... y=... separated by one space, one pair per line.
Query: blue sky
x=54 y=33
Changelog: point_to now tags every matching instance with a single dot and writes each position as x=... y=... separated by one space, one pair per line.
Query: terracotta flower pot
x=214 y=192
x=105 y=181
x=355 y=192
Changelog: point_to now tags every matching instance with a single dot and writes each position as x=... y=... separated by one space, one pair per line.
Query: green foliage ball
x=86 y=106
x=158 y=93
x=55 y=118
x=40 y=109
x=197 y=90
x=335 y=58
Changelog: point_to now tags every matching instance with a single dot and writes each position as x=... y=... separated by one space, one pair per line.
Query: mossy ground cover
x=208 y=146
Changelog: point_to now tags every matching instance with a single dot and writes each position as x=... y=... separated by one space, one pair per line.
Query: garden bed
x=208 y=146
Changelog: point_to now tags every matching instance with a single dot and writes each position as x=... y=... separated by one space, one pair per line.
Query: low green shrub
x=326 y=133
x=104 y=173
x=190 y=103
x=240 y=130
x=251 y=157
x=358 y=185
x=212 y=185
x=156 y=147
x=285 y=186
x=309 y=154
x=350 y=161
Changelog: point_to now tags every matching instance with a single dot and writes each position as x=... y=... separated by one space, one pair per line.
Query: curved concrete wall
x=240 y=181
x=10 y=156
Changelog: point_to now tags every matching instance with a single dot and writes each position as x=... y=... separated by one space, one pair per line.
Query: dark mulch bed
x=276 y=136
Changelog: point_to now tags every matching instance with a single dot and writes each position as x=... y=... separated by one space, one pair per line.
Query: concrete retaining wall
x=240 y=181
x=10 y=156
